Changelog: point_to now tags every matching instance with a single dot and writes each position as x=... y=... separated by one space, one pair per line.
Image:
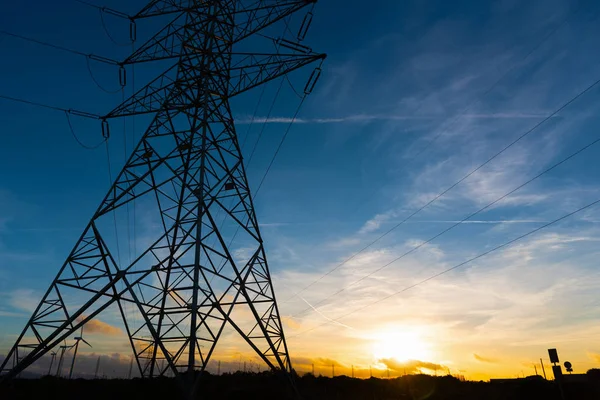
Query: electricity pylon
x=187 y=173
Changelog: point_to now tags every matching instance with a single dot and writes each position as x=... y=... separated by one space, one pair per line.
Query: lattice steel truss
x=188 y=282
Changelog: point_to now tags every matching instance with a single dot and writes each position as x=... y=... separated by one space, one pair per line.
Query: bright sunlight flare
x=401 y=345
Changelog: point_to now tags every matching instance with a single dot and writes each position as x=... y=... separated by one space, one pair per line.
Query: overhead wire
x=126 y=157
x=47 y=106
x=110 y=177
x=272 y=161
x=437 y=275
x=61 y=48
x=243 y=145
x=283 y=138
x=434 y=199
x=87 y=3
x=100 y=86
x=67 y=112
x=247 y=163
x=83 y=145
x=415 y=248
x=264 y=124
x=110 y=37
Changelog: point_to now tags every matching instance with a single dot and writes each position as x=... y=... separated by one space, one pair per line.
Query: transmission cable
x=243 y=145
x=42 y=105
x=61 y=48
x=88 y=4
x=522 y=136
x=264 y=125
x=437 y=275
x=87 y=147
x=547 y=170
x=114 y=213
x=110 y=37
x=283 y=138
x=287 y=131
x=89 y=68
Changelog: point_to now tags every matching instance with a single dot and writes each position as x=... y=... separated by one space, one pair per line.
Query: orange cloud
x=327 y=362
x=594 y=357
x=411 y=366
x=290 y=323
x=95 y=326
x=484 y=359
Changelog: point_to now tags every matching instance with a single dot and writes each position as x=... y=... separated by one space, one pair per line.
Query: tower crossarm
x=258 y=69
x=163 y=7
x=251 y=71
x=260 y=14
x=255 y=16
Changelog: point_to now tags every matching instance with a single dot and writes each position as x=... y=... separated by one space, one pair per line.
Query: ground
x=270 y=387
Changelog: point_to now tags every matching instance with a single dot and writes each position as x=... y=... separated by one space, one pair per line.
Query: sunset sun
x=401 y=345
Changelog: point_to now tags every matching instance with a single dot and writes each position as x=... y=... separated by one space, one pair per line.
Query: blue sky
x=472 y=75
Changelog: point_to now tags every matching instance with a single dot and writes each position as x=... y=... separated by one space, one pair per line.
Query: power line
x=522 y=136
x=264 y=125
x=432 y=277
x=86 y=3
x=87 y=147
x=61 y=48
x=114 y=213
x=110 y=37
x=547 y=170
x=283 y=138
x=89 y=68
x=42 y=105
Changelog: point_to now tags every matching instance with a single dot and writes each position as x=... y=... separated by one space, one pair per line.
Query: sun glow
x=401 y=345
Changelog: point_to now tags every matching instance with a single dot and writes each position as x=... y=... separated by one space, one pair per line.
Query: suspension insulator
x=122 y=76
x=294 y=46
x=132 y=31
x=105 y=129
x=308 y=18
x=312 y=81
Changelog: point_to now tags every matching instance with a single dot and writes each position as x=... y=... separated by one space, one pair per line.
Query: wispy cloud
x=371 y=118
x=484 y=359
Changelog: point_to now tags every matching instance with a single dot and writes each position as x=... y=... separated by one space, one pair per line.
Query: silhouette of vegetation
x=268 y=386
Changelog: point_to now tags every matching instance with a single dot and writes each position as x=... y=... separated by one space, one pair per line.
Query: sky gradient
x=414 y=96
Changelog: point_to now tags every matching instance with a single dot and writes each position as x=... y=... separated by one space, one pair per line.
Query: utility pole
x=188 y=169
x=53 y=355
x=370 y=372
x=130 y=368
x=97 y=368
x=543 y=369
x=535 y=369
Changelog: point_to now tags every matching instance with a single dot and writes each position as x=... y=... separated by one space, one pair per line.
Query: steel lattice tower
x=188 y=283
